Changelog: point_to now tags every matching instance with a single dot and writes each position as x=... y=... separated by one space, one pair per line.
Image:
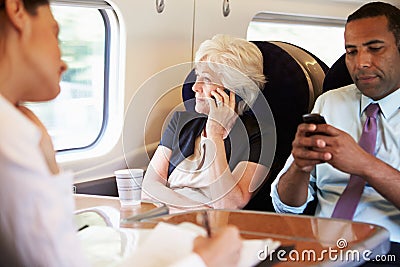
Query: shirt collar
x=388 y=105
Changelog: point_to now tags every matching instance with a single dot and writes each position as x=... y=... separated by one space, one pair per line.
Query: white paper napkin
x=168 y=243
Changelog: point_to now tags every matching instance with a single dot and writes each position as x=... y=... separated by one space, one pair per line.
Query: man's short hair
x=376 y=9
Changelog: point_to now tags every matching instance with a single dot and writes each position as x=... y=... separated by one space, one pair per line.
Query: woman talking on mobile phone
x=212 y=157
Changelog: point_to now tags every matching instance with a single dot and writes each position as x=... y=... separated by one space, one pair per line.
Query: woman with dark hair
x=36 y=223
x=36 y=203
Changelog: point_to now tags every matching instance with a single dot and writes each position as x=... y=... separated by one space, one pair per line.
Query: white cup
x=129 y=184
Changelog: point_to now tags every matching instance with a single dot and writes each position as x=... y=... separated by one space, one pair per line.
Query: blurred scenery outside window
x=323 y=39
x=75 y=118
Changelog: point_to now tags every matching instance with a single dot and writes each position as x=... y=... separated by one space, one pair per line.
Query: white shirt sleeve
x=36 y=219
x=281 y=207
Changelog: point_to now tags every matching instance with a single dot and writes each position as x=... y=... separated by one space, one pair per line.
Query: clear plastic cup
x=129 y=185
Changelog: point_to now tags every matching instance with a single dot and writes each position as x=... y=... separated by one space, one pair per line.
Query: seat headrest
x=286 y=91
x=338 y=75
x=187 y=92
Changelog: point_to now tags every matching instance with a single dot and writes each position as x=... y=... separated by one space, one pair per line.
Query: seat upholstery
x=287 y=93
x=338 y=75
x=313 y=68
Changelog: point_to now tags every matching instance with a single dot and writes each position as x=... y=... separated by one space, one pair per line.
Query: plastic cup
x=129 y=185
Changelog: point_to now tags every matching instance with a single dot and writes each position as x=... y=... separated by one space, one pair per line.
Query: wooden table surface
x=307 y=240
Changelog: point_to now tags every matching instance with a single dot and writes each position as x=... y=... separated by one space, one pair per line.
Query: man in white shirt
x=321 y=164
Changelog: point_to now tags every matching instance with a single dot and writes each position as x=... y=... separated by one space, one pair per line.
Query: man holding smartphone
x=321 y=164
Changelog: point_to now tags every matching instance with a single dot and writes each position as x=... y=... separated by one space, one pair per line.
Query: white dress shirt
x=344 y=109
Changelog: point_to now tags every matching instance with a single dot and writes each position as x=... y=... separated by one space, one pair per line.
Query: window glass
x=323 y=39
x=76 y=117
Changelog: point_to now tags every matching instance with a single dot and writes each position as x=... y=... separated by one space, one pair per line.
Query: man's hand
x=345 y=153
x=307 y=149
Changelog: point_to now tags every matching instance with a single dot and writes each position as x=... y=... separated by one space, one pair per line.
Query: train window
x=321 y=36
x=77 y=118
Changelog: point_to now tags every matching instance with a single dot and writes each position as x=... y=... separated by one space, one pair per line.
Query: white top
x=192 y=177
x=36 y=207
x=36 y=222
x=344 y=109
x=193 y=260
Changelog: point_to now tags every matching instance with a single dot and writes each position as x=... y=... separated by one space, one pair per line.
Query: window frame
x=298 y=20
x=114 y=55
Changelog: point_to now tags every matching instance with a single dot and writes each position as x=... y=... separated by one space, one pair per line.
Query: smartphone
x=314 y=118
x=237 y=97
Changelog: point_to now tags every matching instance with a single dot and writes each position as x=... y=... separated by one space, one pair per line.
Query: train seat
x=337 y=76
x=287 y=92
x=313 y=68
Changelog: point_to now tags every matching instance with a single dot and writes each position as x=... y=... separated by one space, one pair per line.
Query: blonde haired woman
x=212 y=157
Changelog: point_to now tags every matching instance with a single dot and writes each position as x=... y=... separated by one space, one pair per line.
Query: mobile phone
x=237 y=97
x=314 y=118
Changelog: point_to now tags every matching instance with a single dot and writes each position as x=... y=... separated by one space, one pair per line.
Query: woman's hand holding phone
x=222 y=115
